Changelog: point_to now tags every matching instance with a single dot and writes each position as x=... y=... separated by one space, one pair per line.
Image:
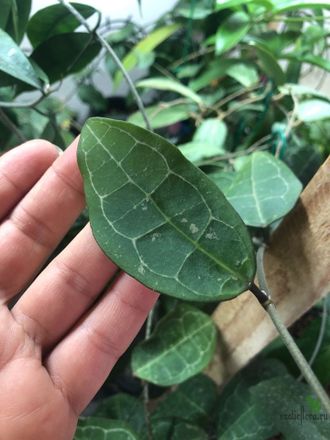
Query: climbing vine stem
x=264 y=297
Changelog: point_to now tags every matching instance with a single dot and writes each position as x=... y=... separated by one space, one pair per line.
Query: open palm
x=61 y=339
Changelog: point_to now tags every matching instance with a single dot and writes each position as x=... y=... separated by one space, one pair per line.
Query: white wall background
x=151 y=9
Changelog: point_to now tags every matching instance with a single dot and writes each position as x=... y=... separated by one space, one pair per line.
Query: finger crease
x=32 y=227
x=66 y=180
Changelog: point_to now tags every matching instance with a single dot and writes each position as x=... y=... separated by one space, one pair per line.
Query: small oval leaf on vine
x=181 y=346
x=264 y=190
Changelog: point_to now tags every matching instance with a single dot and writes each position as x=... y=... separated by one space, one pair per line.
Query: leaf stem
x=113 y=54
x=11 y=126
x=263 y=296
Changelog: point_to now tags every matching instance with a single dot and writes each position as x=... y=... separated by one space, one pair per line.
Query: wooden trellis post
x=297 y=267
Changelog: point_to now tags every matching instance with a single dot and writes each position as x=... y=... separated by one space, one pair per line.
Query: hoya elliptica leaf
x=181 y=346
x=264 y=190
x=158 y=217
x=95 y=428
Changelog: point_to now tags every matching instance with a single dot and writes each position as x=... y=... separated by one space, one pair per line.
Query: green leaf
x=181 y=346
x=269 y=63
x=77 y=51
x=231 y=32
x=238 y=416
x=18 y=19
x=313 y=110
x=244 y=73
x=165 y=429
x=300 y=90
x=291 y=5
x=122 y=34
x=208 y=140
x=125 y=408
x=292 y=408
x=92 y=97
x=309 y=58
x=264 y=190
x=94 y=428
x=192 y=401
x=145 y=199
x=224 y=4
x=163 y=114
x=148 y=44
x=6 y=6
x=170 y=85
x=223 y=179
x=194 y=13
x=53 y=20
x=14 y=62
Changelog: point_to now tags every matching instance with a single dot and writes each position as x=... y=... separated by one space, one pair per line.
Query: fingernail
x=60 y=151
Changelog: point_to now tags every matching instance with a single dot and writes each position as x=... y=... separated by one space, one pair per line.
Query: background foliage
x=222 y=80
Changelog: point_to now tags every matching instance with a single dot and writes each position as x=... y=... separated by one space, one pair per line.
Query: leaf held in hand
x=160 y=218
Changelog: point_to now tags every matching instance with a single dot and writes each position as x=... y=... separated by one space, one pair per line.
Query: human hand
x=60 y=340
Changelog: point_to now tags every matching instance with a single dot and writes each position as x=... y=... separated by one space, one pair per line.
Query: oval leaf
x=170 y=85
x=194 y=400
x=14 y=62
x=163 y=114
x=174 y=429
x=181 y=346
x=146 y=200
x=55 y=19
x=125 y=408
x=95 y=428
x=264 y=190
x=231 y=31
x=64 y=54
x=313 y=110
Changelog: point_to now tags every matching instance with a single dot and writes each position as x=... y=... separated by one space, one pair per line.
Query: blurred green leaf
x=192 y=401
x=224 y=4
x=170 y=85
x=53 y=20
x=194 y=13
x=223 y=179
x=181 y=346
x=148 y=44
x=163 y=114
x=313 y=110
x=122 y=34
x=125 y=408
x=14 y=62
x=165 y=429
x=243 y=72
x=314 y=60
x=264 y=190
x=6 y=6
x=95 y=428
x=269 y=63
x=208 y=140
x=18 y=19
x=92 y=97
x=292 y=408
x=301 y=90
x=281 y=6
x=238 y=416
x=77 y=51
x=231 y=32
